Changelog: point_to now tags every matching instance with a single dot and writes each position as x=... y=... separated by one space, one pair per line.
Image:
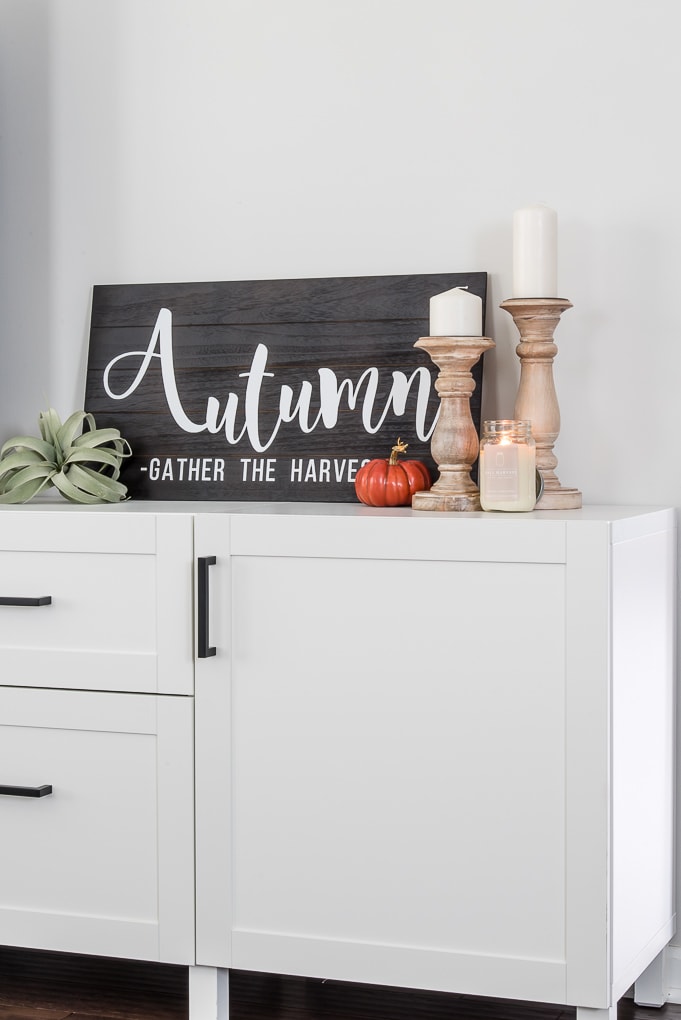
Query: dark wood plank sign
x=265 y=389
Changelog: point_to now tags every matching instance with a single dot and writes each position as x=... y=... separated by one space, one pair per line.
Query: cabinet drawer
x=116 y=602
x=104 y=863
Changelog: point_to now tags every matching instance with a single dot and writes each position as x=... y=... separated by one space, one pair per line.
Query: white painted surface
x=622 y=731
x=403 y=814
x=386 y=791
x=121 y=611
x=672 y=974
x=410 y=770
x=643 y=749
x=175 y=822
x=214 y=756
x=588 y=821
x=94 y=867
x=589 y=1013
x=651 y=986
x=57 y=526
x=174 y=633
x=208 y=993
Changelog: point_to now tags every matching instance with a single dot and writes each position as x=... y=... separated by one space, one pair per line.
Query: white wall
x=25 y=219
x=160 y=140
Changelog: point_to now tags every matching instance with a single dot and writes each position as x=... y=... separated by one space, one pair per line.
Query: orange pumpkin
x=391 y=482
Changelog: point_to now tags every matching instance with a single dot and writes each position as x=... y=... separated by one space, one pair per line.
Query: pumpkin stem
x=397 y=449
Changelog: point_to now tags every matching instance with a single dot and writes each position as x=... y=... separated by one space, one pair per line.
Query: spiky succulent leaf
x=72 y=427
x=28 y=474
x=99 y=455
x=16 y=461
x=96 y=484
x=40 y=446
x=50 y=425
x=22 y=493
x=72 y=492
x=97 y=437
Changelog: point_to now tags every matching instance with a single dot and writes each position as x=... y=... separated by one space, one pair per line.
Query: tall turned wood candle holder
x=455 y=443
x=536 y=320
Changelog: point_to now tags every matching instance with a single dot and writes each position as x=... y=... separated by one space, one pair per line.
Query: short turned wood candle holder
x=536 y=402
x=455 y=444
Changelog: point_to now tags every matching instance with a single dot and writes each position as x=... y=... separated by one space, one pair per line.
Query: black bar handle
x=42 y=600
x=25 y=791
x=205 y=650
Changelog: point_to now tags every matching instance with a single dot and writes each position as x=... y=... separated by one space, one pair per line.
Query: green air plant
x=83 y=466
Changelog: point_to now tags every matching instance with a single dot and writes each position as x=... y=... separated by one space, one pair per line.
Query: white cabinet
x=449 y=754
x=95 y=618
x=429 y=750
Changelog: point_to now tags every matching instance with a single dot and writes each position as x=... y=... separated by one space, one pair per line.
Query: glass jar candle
x=507 y=468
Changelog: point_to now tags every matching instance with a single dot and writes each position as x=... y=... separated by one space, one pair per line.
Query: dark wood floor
x=48 y=986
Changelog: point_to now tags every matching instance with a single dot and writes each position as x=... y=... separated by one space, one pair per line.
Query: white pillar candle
x=456 y=312
x=535 y=252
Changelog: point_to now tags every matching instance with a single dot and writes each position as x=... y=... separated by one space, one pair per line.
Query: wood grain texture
x=536 y=400
x=348 y=326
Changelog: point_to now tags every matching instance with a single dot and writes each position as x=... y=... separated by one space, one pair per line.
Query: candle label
x=501 y=470
x=266 y=389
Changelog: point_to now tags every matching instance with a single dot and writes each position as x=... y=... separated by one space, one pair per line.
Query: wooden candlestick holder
x=455 y=443
x=536 y=402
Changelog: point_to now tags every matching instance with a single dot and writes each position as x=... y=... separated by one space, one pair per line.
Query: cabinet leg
x=650 y=989
x=586 y=1013
x=208 y=993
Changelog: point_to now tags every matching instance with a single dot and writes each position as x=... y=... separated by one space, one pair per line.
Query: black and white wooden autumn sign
x=266 y=390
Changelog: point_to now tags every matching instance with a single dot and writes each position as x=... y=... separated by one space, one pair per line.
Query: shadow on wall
x=24 y=213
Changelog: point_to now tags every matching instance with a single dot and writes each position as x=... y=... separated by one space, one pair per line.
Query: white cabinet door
x=104 y=864
x=387 y=791
x=398 y=758
x=116 y=593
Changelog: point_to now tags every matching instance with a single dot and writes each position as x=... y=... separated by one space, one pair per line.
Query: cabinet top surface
x=340 y=529
x=608 y=513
